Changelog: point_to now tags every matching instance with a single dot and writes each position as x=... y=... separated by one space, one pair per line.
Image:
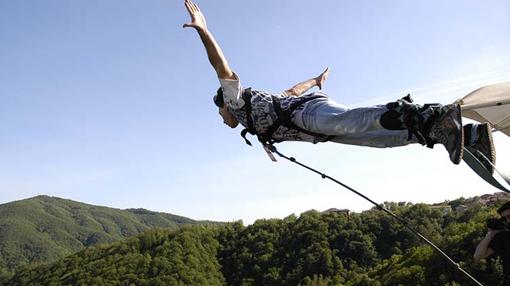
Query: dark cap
x=504 y=207
x=218 y=98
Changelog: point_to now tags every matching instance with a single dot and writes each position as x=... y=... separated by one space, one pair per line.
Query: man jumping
x=314 y=117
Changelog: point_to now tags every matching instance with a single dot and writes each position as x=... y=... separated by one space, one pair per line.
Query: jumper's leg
x=394 y=124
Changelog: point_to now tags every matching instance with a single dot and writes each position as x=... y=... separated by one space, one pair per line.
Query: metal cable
x=380 y=207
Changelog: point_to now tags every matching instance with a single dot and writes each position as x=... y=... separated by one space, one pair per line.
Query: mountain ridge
x=42 y=229
x=317 y=248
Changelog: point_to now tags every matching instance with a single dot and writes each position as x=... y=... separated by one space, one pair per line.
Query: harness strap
x=418 y=120
x=284 y=117
x=249 y=121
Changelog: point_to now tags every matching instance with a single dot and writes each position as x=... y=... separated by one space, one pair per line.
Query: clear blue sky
x=109 y=102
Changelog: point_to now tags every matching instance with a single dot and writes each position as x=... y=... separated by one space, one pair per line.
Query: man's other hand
x=322 y=78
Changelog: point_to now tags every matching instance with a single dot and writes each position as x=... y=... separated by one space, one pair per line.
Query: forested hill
x=43 y=229
x=330 y=248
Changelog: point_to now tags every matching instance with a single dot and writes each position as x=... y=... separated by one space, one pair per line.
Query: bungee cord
x=273 y=149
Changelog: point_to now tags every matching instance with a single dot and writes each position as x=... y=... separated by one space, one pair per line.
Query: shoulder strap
x=249 y=121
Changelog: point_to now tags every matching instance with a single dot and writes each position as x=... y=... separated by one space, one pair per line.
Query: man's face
x=506 y=215
x=228 y=117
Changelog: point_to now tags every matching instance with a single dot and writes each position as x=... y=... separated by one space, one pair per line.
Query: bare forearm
x=215 y=55
x=301 y=87
x=482 y=249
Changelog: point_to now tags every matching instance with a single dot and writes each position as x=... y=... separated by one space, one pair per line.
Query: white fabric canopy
x=489 y=104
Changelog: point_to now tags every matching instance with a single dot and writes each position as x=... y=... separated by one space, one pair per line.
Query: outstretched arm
x=214 y=52
x=302 y=87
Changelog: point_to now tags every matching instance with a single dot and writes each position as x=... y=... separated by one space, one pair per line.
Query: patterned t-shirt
x=262 y=110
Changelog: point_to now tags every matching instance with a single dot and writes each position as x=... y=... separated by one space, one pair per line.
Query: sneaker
x=478 y=141
x=447 y=130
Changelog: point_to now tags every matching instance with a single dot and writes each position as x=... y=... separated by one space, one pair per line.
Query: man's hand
x=492 y=232
x=322 y=78
x=197 y=18
x=302 y=87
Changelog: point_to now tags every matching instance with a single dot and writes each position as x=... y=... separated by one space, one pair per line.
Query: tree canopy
x=333 y=248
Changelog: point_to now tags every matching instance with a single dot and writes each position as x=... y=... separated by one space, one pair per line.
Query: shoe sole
x=486 y=128
x=460 y=137
x=491 y=144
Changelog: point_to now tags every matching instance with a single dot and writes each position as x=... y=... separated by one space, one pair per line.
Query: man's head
x=228 y=118
x=504 y=211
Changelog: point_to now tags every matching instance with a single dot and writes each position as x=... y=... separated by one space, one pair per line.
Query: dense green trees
x=43 y=229
x=158 y=257
x=360 y=249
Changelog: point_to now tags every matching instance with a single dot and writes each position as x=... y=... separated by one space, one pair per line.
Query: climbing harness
x=284 y=118
x=273 y=149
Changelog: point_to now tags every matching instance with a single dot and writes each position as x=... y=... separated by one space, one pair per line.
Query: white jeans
x=357 y=126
